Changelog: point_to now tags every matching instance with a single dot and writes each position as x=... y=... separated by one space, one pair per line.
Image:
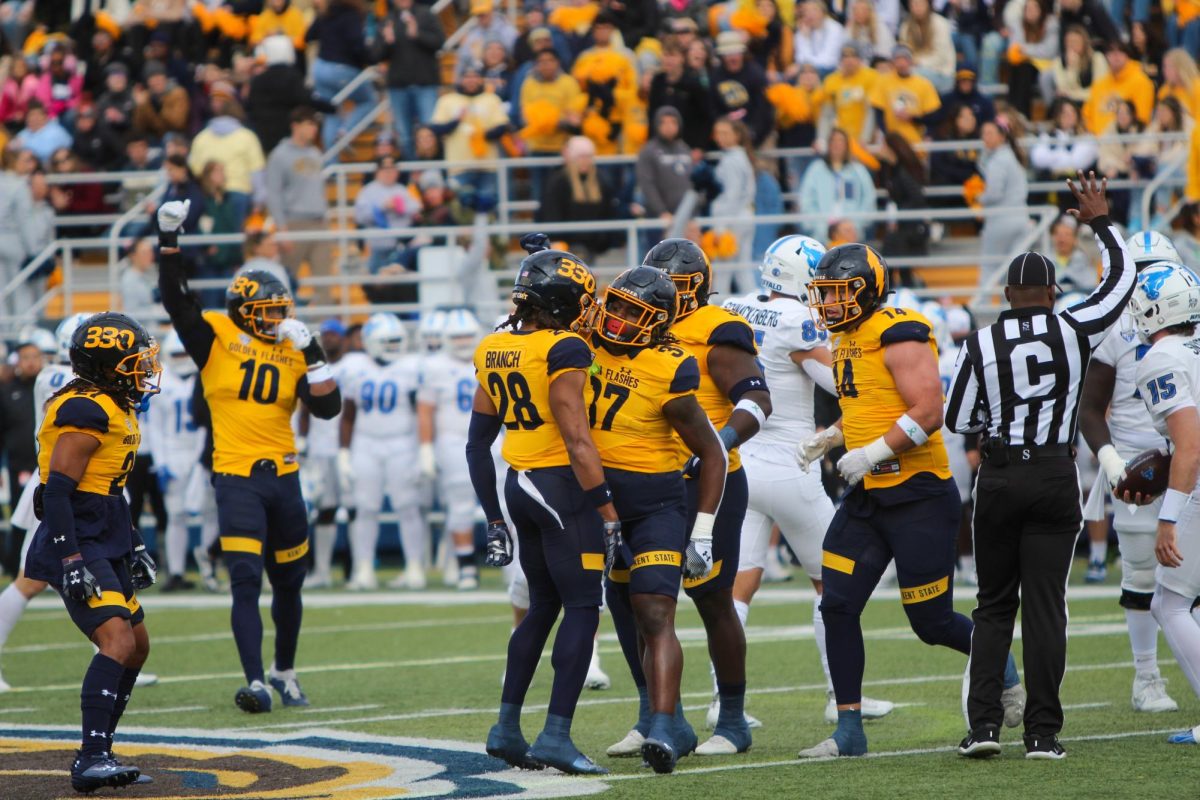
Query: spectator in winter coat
x=409 y=40
x=20 y=87
x=835 y=186
x=94 y=146
x=470 y=122
x=276 y=92
x=226 y=140
x=384 y=203
x=966 y=93
x=664 y=170
x=162 y=106
x=955 y=167
x=739 y=88
x=115 y=106
x=42 y=135
x=61 y=86
x=679 y=87
x=576 y=192
x=1006 y=186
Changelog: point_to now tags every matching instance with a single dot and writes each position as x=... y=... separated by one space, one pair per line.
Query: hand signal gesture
x=1091 y=194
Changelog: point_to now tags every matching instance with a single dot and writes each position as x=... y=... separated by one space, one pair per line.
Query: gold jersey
x=252 y=388
x=870 y=402
x=698 y=334
x=515 y=369
x=626 y=394
x=97 y=415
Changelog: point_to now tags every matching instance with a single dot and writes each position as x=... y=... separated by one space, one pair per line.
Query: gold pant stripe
x=241 y=544
x=691 y=583
x=618 y=575
x=592 y=561
x=658 y=558
x=836 y=562
x=292 y=553
x=113 y=599
x=919 y=594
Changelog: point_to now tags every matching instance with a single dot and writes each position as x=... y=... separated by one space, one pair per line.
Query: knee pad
x=326 y=516
x=245 y=571
x=289 y=576
x=1136 y=601
x=931 y=621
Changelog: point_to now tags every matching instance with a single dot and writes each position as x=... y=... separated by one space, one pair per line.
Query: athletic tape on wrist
x=702 y=528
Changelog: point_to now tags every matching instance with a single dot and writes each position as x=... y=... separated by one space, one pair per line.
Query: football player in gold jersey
x=902 y=502
x=256 y=364
x=642 y=395
x=531 y=382
x=86 y=546
x=734 y=395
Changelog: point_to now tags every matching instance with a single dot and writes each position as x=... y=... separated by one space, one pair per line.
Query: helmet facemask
x=141 y=371
x=622 y=319
x=845 y=294
x=262 y=317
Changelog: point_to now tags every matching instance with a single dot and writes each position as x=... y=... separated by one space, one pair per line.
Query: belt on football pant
x=999 y=456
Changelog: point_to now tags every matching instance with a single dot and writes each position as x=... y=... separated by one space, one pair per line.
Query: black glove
x=612 y=545
x=499 y=545
x=535 y=243
x=78 y=581
x=692 y=468
x=142 y=569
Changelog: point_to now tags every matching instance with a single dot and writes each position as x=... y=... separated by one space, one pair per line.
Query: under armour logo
x=75 y=577
x=107 y=693
x=99 y=734
x=59 y=539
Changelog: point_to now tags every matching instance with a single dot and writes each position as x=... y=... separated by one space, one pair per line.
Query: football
x=1146 y=473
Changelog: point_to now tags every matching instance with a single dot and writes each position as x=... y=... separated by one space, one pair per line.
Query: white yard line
x=1081 y=706
x=332 y=709
x=175 y=710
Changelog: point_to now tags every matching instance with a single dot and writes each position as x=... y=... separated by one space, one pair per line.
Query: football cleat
x=1045 y=748
x=314 y=581
x=871 y=709
x=288 y=687
x=628 y=747
x=145 y=679
x=412 y=578
x=1097 y=572
x=142 y=779
x=827 y=748
x=1013 y=700
x=714 y=712
x=363 y=580
x=1150 y=694
x=981 y=743
x=89 y=773
x=510 y=746
x=718 y=745
x=253 y=699
x=597 y=679
x=659 y=753
x=562 y=754
x=1185 y=737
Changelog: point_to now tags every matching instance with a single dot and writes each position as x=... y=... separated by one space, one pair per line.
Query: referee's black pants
x=1027 y=518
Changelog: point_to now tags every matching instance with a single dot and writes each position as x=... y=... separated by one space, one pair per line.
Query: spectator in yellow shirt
x=279 y=17
x=903 y=100
x=848 y=97
x=551 y=105
x=608 y=76
x=1125 y=81
x=470 y=121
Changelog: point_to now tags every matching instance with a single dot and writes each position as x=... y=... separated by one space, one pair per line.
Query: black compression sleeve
x=325 y=406
x=483 y=431
x=184 y=309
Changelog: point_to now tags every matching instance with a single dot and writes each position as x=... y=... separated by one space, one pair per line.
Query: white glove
x=859 y=461
x=294 y=331
x=301 y=447
x=172 y=214
x=1112 y=464
x=345 y=473
x=698 y=560
x=427 y=460
x=815 y=448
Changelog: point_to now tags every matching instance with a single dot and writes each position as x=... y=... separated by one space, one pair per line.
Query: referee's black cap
x=1031 y=269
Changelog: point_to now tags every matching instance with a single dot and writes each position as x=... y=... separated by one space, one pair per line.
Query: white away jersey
x=448 y=384
x=175 y=438
x=323 y=433
x=1169 y=378
x=782 y=326
x=383 y=397
x=1128 y=421
x=52 y=378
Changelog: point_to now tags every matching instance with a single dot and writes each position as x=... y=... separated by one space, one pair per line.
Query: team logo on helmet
x=258 y=301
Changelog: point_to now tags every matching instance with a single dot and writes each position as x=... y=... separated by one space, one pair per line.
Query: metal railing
x=1164 y=176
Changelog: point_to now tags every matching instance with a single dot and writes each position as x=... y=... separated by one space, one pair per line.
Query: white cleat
x=597 y=678
x=468 y=582
x=414 y=577
x=717 y=746
x=1150 y=694
x=4 y=687
x=871 y=709
x=1013 y=700
x=714 y=713
x=314 y=581
x=825 y=749
x=628 y=747
x=363 y=581
x=145 y=679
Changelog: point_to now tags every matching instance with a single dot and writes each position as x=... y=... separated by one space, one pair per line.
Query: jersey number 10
x=261 y=381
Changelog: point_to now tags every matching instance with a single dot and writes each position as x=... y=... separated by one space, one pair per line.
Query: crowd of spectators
x=235 y=104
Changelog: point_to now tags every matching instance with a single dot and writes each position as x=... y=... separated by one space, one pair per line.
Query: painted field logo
x=313 y=765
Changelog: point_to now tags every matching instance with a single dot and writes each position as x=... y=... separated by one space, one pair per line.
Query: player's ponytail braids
x=525 y=312
x=123 y=401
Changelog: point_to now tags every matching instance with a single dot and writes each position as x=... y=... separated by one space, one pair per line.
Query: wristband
x=728 y=437
x=912 y=430
x=878 y=450
x=168 y=238
x=702 y=528
x=753 y=409
x=319 y=372
x=599 y=495
x=752 y=384
x=1172 y=506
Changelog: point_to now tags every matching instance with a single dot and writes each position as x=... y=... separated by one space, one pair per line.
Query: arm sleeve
x=821 y=374
x=963 y=400
x=568 y=353
x=60 y=517
x=326 y=406
x=1093 y=317
x=483 y=431
x=735 y=333
x=184 y=309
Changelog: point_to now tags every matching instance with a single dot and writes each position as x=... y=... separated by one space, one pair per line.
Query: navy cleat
x=659 y=749
x=685 y=737
x=562 y=754
x=253 y=699
x=288 y=687
x=89 y=773
x=510 y=746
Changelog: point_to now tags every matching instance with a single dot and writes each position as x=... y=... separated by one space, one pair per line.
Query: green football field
x=408 y=682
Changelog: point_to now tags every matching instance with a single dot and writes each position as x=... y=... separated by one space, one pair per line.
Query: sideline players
x=1114 y=421
x=902 y=503
x=642 y=394
x=256 y=362
x=734 y=395
x=531 y=382
x=86 y=547
x=795 y=358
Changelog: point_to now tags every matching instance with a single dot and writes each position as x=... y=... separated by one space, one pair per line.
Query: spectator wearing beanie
x=162 y=106
x=115 y=106
x=92 y=144
x=664 y=171
x=739 y=88
x=409 y=40
x=276 y=92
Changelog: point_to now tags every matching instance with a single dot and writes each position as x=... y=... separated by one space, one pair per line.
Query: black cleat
x=89 y=773
x=253 y=699
x=983 y=742
x=1045 y=748
x=659 y=754
x=142 y=780
x=177 y=583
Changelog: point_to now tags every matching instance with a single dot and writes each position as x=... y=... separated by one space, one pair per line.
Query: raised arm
x=181 y=305
x=1101 y=310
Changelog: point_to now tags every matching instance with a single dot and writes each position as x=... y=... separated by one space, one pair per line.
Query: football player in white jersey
x=1165 y=307
x=795 y=359
x=379 y=426
x=443 y=416
x=1114 y=421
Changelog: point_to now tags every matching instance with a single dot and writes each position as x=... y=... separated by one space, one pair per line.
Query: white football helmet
x=41 y=338
x=903 y=298
x=178 y=361
x=429 y=329
x=935 y=312
x=461 y=334
x=1146 y=247
x=1166 y=294
x=1069 y=299
x=384 y=337
x=63 y=333
x=789 y=263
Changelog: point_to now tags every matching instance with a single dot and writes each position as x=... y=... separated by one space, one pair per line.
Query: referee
x=1017 y=382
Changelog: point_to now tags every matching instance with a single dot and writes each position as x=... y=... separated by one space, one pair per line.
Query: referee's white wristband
x=319 y=372
x=912 y=430
x=1172 y=505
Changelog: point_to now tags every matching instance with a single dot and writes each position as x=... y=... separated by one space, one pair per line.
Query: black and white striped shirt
x=1021 y=376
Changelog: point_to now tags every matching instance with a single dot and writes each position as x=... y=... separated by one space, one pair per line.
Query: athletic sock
x=571 y=656
x=1099 y=551
x=465 y=557
x=622 y=616
x=97 y=700
x=733 y=705
x=324 y=539
x=849 y=735
x=644 y=713
x=413 y=536
x=244 y=617
x=819 y=635
x=1143 y=640
x=524 y=651
x=847 y=659
x=1011 y=676
x=124 y=692
x=12 y=606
